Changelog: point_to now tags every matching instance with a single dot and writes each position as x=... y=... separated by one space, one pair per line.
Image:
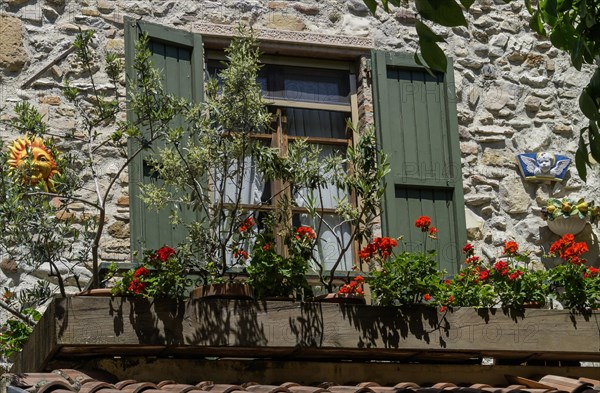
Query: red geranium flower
x=240 y=254
x=266 y=247
x=511 y=247
x=247 y=224
x=483 y=275
x=432 y=232
x=591 y=272
x=137 y=286
x=423 y=222
x=468 y=249
x=380 y=245
x=427 y=297
x=515 y=275
x=501 y=266
x=305 y=231
x=164 y=253
x=472 y=259
x=141 y=272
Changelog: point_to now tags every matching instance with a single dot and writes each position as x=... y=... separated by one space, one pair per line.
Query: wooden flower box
x=88 y=327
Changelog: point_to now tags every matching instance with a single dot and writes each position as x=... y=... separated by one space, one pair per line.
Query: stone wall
x=515 y=93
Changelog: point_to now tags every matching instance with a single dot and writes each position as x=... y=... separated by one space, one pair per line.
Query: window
x=312 y=101
x=415 y=117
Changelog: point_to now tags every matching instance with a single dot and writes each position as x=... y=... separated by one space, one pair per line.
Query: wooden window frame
x=280 y=139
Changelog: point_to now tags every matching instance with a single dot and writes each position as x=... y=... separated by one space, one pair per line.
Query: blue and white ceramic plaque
x=543 y=166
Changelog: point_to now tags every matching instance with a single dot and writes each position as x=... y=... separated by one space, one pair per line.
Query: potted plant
x=515 y=283
x=574 y=283
x=351 y=292
x=408 y=277
x=471 y=286
x=569 y=215
x=273 y=276
x=161 y=274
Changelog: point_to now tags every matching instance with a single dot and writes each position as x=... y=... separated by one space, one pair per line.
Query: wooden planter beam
x=99 y=327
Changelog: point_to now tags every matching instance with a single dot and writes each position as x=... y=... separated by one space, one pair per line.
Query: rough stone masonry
x=514 y=93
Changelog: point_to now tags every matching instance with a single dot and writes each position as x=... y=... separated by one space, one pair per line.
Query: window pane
x=309 y=84
x=316 y=123
x=243 y=180
x=333 y=235
x=328 y=195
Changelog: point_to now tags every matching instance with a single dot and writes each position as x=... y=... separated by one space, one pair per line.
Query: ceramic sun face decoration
x=543 y=166
x=37 y=158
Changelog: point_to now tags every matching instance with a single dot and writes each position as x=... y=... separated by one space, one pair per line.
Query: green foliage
x=14 y=333
x=407 y=278
x=509 y=282
x=516 y=288
x=22 y=305
x=573 y=282
x=162 y=274
x=568 y=281
x=271 y=275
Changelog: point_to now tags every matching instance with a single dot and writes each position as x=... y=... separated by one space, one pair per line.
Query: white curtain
x=250 y=181
x=334 y=234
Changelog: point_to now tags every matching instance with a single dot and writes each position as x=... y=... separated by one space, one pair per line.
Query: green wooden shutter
x=179 y=56
x=415 y=116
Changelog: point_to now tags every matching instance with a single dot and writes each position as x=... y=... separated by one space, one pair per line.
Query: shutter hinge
x=369 y=68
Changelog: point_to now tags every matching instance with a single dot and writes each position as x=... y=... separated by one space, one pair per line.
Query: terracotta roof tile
x=305 y=389
x=167 y=382
x=177 y=387
x=205 y=385
x=266 y=389
x=224 y=388
x=469 y=389
x=427 y=389
x=349 y=389
x=444 y=385
x=108 y=390
x=55 y=385
x=563 y=383
x=290 y=384
x=94 y=386
x=384 y=389
x=138 y=387
x=406 y=385
x=594 y=382
x=327 y=385
x=74 y=381
x=34 y=379
x=75 y=376
x=121 y=384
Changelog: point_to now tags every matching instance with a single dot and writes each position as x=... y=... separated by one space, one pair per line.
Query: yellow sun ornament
x=32 y=157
